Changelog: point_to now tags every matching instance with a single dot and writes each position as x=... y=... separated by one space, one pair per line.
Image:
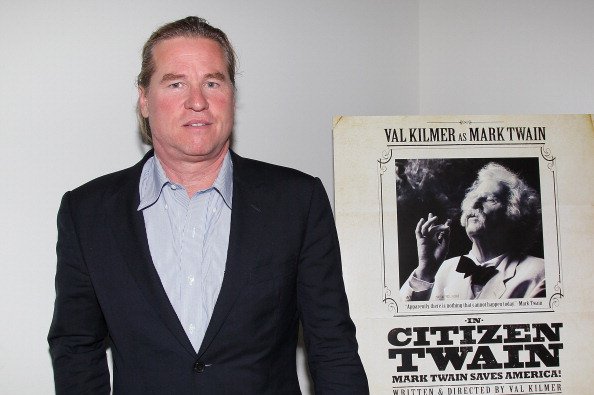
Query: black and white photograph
x=476 y=226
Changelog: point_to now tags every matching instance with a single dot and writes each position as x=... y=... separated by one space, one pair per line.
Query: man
x=501 y=214
x=198 y=264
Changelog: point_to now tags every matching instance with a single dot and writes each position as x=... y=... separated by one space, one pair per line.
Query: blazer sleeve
x=77 y=336
x=328 y=330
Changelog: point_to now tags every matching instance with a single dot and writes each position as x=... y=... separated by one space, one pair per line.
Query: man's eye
x=175 y=85
x=212 y=84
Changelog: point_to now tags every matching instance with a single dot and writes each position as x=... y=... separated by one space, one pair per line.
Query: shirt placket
x=193 y=263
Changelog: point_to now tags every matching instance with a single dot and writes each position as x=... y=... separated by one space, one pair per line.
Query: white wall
x=506 y=57
x=67 y=100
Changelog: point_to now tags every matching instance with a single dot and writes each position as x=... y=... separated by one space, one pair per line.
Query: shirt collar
x=224 y=182
x=491 y=262
x=153 y=179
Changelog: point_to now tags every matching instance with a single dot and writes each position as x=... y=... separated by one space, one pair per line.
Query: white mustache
x=473 y=213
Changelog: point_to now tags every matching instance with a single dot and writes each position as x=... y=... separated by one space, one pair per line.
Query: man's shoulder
x=532 y=260
x=268 y=172
x=531 y=265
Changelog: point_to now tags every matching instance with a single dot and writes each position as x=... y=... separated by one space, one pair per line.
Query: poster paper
x=526 y=326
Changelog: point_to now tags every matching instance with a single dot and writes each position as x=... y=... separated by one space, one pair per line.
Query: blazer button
x=199 y=367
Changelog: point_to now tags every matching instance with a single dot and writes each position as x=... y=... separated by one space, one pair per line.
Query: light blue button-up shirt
x=188 y=240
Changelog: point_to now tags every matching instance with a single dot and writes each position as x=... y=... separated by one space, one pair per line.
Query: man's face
x=190 y=100
x=484 y=209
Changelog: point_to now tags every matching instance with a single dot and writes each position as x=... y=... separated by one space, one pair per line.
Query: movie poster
x=467 y=251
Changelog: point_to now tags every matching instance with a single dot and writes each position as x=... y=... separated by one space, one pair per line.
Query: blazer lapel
x=129 y=231
x=247 y=214
x=496 y=287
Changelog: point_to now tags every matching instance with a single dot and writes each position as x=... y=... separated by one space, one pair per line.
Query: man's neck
x=485 y=250
x=194 y=176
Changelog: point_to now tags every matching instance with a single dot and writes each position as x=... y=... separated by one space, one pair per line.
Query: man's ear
x=143 y=102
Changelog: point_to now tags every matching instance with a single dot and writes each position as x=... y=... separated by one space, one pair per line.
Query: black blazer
x=283 y=265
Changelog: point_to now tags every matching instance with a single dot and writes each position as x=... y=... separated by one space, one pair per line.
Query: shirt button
x=173 y=186
x=199 y=367
x=190 y=280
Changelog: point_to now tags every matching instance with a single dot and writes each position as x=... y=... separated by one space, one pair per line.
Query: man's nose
x=196 y=100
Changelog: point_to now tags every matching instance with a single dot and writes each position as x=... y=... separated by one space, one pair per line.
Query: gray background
x=67 y=100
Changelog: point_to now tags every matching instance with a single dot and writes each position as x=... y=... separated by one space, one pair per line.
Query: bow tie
x=479 y=274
